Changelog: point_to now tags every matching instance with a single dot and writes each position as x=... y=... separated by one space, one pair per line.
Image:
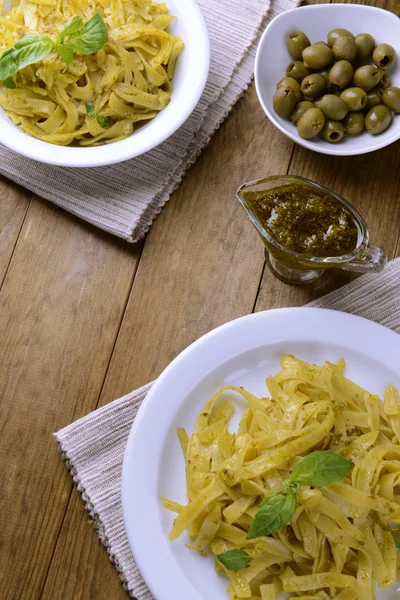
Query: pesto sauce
x=305 y=220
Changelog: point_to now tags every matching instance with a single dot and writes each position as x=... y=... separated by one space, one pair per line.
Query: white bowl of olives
x=328 y=76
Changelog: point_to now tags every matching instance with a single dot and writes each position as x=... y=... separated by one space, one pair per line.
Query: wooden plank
x=61 y=306
x=14 y=202
x=200 y=267
x=377 y=3
x=393 y=6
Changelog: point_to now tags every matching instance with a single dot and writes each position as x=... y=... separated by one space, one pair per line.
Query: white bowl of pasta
x=236 y=449
x=89 y=107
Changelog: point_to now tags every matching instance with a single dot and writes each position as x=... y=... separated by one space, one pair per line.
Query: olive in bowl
x=332 y=106
x=378 y=119
x=296 y=43
x=391 y=98
x=365 y=45
x=340 y=74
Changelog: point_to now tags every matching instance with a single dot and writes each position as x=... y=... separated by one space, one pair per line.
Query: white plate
x=189 y=81
x=242 y=352
x=316 y=21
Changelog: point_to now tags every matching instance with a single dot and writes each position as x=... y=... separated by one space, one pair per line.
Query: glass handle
x=374 y=259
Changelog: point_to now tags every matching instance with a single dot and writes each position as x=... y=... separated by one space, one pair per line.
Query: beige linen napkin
x=124 y=199
x=93 y=447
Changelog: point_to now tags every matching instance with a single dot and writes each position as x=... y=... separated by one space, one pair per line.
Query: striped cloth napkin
x=125 y=199
x=93 y=447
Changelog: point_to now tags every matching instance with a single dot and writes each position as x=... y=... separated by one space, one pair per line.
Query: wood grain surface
x=86 y=318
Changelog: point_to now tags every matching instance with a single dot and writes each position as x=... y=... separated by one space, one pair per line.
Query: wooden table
x=86 y=318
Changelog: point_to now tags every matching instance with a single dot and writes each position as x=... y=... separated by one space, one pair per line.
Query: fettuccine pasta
x=340 y=542
x=128 y=81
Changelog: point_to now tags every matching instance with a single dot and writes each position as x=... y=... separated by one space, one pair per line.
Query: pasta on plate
x=340 y=539
x=101 y=97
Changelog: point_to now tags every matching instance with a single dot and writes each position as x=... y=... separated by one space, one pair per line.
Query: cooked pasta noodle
x=129 y=79
x=339 y=543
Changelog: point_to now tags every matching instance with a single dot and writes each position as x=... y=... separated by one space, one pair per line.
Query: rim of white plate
x=146 y=538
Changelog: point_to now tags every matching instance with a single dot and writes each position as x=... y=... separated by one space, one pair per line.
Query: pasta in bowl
x=303 y=498
x=118 y=77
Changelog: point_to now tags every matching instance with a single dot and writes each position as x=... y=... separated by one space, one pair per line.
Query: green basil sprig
x=320 y=469
x=31 y=49
x=234 y=559
x=277 y=509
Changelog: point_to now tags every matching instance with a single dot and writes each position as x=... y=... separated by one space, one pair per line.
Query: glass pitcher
x=292 y=267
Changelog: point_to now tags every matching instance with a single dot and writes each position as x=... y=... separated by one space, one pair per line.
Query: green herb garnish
x=84 y=39
x=102 y=121
x=8 y=83
x=320 y=469
x=75 y=37
x=234 y=559
x=277 y=509
x=90 y=108
x=397 y=543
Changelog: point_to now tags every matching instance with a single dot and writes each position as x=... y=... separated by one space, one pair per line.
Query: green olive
x=384 y=79
x=335 y=33
x=391 y=98
x=297 y=70
x=313 y=85
x=378 y=119
x=310 y=123
x=284 y=101
x=317 y=56
x=333 y=131
x=355 y=98
x=332 y=106
x=384 y=56
x=299 y=110
x=365 y=45
x=296 y=43
x=344 y=48
x=341 y=74
x=290 y=82
x=374 y=97
x=366 y=77
x=354 y=123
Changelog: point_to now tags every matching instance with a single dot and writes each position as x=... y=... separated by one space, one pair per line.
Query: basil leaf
x=91 y=38
x=8 y=83
x=321 y=468
x=67 y=54
x=73 y=26
x=102 y=121
x=31 y=49
x=234 y=559
x=276 y=510
x=90 y=108
x=397 y=543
